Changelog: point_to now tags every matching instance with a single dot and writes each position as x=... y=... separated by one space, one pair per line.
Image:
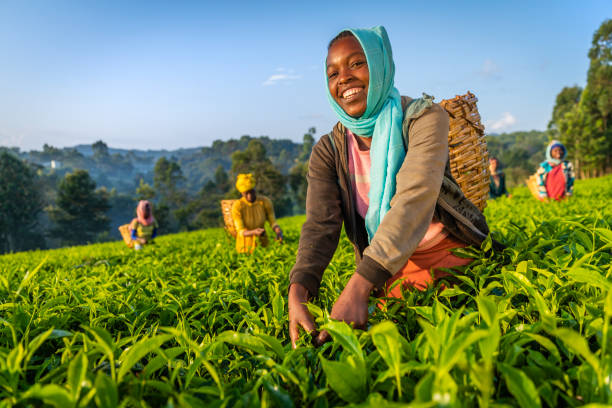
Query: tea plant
x=188 y=322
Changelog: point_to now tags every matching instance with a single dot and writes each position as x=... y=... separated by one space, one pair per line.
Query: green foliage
x=189 y=185
x=144 y=191
x=204 y=211
x=297 y=174
x=100 y=150
x=270 y=181
x=584 y=125
x=168 y=182
x=20 y=205
x=564 y=103
x=80 y=211
x=188 y=322
x=520 y=153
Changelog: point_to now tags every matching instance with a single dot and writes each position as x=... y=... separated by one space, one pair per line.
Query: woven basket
x=532 y=184
x=226 y=209
x=126 y=234
x=469 y=157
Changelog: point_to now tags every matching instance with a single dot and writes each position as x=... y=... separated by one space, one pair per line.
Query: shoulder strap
x=414 y=109
x=331 y=139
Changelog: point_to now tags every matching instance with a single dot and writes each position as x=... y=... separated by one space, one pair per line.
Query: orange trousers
x=418 y=271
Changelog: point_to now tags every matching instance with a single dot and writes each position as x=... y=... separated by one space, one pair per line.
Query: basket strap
x=331 y=139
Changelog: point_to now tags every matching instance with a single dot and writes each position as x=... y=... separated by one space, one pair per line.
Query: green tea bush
x=188 y=322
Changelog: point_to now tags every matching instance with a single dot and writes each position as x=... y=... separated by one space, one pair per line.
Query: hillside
x=122 y=169
x=188 y=322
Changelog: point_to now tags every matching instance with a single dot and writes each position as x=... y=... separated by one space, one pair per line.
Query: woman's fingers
x=294 y=333
x=322 y=338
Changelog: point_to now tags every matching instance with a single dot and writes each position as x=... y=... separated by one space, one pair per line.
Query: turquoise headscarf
x=382 y=121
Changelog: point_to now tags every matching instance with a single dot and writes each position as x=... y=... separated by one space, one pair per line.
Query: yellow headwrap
x=245 y=182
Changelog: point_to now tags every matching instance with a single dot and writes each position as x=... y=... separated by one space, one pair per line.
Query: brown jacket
x=425 y=188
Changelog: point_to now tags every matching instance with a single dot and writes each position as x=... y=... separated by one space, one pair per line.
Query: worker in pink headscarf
x=144 y=227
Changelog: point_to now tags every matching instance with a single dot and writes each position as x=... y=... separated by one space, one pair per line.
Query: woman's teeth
x=351 y=92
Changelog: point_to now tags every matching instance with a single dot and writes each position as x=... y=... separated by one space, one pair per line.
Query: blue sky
x=156 y=74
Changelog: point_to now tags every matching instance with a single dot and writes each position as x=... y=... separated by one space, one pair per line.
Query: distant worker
x=250 y=214
x=497 y=185
x=144 y=227
x=555 y=176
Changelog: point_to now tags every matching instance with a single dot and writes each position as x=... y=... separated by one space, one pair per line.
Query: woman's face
x=556 y=152
x=348 y=75
x=250 y=195
x=493 y=164
x=146 y=210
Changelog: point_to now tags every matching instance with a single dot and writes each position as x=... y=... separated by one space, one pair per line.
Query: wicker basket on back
x=469 y=158
x=226 y=209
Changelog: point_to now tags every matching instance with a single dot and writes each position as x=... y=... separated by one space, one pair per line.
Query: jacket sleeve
x=321 y=231
x=134 y=229
x=541 y=173
x=418 y=186
x=503 y=183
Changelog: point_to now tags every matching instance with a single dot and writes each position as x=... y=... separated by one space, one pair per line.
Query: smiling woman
x=346 y=60
x=383 y=172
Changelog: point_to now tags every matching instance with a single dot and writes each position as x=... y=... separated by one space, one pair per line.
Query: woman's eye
x=357 y=64
x=331 y=75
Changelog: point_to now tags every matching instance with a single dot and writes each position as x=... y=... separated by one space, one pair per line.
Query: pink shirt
x=359 y=172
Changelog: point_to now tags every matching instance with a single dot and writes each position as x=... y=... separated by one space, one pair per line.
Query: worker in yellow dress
x=250 y=214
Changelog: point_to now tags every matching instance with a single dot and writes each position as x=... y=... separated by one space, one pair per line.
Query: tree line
x=41 y=210
x=581 y=119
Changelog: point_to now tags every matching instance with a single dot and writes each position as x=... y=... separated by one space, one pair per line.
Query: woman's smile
x=351 y=93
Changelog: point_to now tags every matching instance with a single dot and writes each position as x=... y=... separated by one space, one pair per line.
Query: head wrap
x=552 y=145
x=382 y=120
x=140 y=213
x=245 y=182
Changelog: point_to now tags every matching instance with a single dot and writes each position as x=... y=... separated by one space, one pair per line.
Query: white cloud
x=284 y=76
x=503 y=123
x=490 y=69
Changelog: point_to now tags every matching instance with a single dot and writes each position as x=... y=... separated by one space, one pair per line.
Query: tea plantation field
x=189 y=323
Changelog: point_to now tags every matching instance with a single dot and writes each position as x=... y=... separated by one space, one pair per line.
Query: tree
x=80 y=211
x=167 y=180
x=100 y=150
x=564 y=103
x=297 y=174
x=20 y=205
x=270 y=181
x=144 y=191
x=203 y=211
x=584 y=127
x=221 y=178
x=520 y=153
x=596 y=99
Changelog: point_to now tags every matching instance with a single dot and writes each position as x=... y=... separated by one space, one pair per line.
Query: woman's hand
x=257 y=232
x=352 y=305
x=298 y=312
x=279 y=233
